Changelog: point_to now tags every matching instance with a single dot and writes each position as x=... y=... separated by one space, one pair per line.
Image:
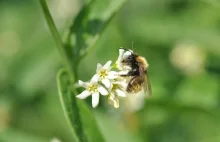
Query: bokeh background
x=179 y=38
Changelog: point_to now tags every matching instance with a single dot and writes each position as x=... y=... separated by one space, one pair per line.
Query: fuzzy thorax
x=142 y=61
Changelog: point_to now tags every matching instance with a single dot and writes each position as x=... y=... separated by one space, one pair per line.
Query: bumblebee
x=138 y=73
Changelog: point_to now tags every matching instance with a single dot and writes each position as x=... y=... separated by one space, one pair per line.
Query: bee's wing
x=146 y=81
x=147 y=84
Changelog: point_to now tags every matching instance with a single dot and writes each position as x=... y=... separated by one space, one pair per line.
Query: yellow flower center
x=115 y=86
x=92 y=88
x=103 y=74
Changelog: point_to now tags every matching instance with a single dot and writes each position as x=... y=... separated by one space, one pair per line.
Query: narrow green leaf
x=78 y=114
x=90 y=22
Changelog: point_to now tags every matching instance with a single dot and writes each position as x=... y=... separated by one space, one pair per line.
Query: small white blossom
x=127 y=53
x=120 y=58
x=105 y=75
x=123 y=54
x=92 y=88
x=113 y=100
x=117 y=90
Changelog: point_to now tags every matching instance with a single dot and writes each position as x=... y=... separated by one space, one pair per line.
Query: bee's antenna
x=132 y=45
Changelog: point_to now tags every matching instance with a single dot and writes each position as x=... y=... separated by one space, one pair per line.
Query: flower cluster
x=107 y=82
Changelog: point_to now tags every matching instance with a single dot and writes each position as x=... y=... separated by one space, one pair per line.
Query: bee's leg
x=133 y=72
x=124 y=75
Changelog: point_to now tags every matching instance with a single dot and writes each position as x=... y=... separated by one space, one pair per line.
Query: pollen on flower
x=115 y=87
x=93 y=88
x=103 y=73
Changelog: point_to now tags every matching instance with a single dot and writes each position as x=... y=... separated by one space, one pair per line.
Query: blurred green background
x=179 y=38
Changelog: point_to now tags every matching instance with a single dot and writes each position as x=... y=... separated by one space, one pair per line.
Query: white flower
x=127 y=53
x=113 y=100
x=104 y=74
x=92 y=88
x=118 y=90
x=120 y=58
x=123 y=54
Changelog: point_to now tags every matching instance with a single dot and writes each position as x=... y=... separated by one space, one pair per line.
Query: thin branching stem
x=56 y=36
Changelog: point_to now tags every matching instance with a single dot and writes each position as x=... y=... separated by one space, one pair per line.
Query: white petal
x=123 y=72
x=118 y=62
x=127 y=67
x=107 y=83
x=95 y=99
x=119 y=65
x=107 y=66
x=99 y=67
x=127 y=54
x=122 y=84
x=120 y=79
x=76 y=85
x=120 y=93
x=112 y=100
x=112 y=75
x=83 y=95
x=94 y=79
x=102 y=90
x=131 y=51
x=121 y=53
x=83 y=84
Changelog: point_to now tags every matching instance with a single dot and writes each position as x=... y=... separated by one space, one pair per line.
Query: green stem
x=56 y=36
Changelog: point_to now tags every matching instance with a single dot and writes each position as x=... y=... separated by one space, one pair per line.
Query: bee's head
x=128 y=57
